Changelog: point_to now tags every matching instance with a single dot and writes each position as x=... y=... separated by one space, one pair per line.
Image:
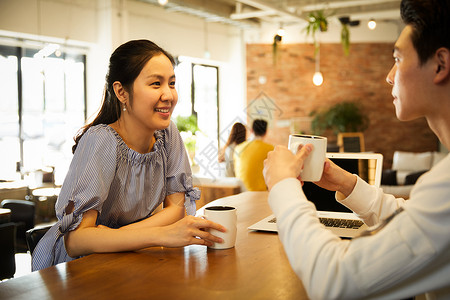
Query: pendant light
x=318 y=77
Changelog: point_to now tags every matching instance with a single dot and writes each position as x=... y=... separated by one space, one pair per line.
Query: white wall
x=184 y=35
x=102 y=25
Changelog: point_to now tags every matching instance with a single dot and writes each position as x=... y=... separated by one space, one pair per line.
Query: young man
x=249 y=158
x=407 y=251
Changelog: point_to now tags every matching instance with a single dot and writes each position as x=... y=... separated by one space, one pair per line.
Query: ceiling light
x=317 y=77
x=372 y=24
x=163 y=2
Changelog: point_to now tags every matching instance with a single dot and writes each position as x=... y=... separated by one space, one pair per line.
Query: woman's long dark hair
x=125 y=65
x=238 y=134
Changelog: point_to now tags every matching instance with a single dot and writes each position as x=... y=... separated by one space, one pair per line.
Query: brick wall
x=358 y=77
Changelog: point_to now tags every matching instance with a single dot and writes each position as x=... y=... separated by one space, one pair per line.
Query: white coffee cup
x=313 y=165
x=227 y=217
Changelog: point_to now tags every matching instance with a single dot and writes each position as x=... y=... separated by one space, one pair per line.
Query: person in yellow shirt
x=249 y=158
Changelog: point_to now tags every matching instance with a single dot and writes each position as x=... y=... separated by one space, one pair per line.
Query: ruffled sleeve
x=179 y=175
x=88 y=182
x=86 y=187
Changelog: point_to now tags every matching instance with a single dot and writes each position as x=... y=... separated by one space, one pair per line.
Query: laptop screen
x=366 y=166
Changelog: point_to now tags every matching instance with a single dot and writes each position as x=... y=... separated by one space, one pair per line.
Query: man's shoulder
x=254 y=146
x=266 y=145
x=242 y=145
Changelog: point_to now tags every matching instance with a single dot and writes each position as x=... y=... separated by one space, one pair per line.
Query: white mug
x=313 y=165
x=227 y=217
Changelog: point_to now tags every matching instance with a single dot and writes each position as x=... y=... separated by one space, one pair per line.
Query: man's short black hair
x=259 y=127
x=430 y=20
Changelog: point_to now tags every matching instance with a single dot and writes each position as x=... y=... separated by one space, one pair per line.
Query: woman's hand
x=89 y=238
x=221 y=155
x=282 y=163
x=334 y=178
x=191 y=231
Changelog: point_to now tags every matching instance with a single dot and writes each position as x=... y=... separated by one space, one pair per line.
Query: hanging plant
x=345 y=33
x=345 y=39
x=276 y=39
x=316 y=21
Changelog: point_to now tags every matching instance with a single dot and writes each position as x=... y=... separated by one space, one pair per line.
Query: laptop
x=336 y=217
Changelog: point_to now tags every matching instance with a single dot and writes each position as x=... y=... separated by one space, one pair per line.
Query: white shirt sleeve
x=407 y=257
x=370 y=203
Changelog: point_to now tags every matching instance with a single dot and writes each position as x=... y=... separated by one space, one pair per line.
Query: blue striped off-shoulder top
x=124 y=186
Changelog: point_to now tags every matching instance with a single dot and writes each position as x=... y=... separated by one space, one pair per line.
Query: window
x=198 y=94
x=43 y=105
x=206 y=101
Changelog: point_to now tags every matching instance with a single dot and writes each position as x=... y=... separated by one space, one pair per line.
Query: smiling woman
x=127 y=162
x=148 y=105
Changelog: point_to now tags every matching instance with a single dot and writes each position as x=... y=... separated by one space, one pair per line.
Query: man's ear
x=442 y=58
x=120 y=92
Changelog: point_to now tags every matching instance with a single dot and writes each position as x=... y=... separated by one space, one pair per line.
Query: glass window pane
x=9 y=156
x=53 y=110
x=9 y=115
x=205 y=100
x=33 y=85
x=205 y=105
x=53 y=71
x=74 y=85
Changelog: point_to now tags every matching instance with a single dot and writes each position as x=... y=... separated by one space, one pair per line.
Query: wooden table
x=215 y=188
x=256 y=268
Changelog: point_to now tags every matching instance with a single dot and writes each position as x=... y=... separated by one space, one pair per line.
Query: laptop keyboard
x=331 y=222
x=341 y=223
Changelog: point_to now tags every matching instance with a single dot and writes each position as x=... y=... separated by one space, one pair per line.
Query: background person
x=249 y=158
x=407 y=252
x=127 y=162
x=237 y=135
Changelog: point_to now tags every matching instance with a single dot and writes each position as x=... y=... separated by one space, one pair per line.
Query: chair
x=34 y=235
x=351 y=142
x=22 y=215
x=7 y=253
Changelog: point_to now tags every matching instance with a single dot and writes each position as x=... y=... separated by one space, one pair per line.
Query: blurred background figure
x=249 y=158
x=238 y=135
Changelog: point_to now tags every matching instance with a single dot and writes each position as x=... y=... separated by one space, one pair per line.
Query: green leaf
x=345 y=39
x=341 y=117
x=187 y=124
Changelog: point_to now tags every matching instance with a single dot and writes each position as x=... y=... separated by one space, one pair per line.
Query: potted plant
x=341 y=117
x=188 y=128
x=316 y=21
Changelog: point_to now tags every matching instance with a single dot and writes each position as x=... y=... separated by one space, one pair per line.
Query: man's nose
x=390 y=76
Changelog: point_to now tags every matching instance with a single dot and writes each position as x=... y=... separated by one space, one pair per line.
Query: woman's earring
x=124 y=108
